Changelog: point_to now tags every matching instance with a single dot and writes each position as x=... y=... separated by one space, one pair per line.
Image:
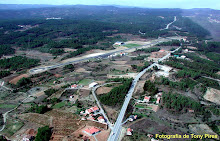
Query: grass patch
x=139 y=106
x=7 y=106
x=131 y=45
x=12 y=127
x=59 y=105
x=85 y=82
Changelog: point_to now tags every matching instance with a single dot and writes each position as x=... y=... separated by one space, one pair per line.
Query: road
x=171 y=23
x=211 y=78
x=99 y=105
x=6 y=113
x=168 y=25
x=118 y=125
x=105 y=55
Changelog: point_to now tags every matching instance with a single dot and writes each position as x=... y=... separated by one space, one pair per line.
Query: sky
x=186 y=4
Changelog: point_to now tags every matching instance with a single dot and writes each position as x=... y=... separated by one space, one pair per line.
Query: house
x=146 y=98
x=72 y=96
x=101 y=119
x=159 y=95
x=118 y=43
x=88 y=111
x=129 y=131
x=122 y=54
x=158 y=100
x=190 y=111
x=74 y=86
x=83 y=118
x=183 y=57
x=95 y=109
x=132 y=118
x=91 y=131
x=91 y=118
x=93 y=84
x=92 y=110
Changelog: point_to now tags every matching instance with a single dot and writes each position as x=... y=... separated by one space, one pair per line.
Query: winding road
x=6 y=113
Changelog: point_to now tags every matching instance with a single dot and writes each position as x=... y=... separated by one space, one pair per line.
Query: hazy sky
x=215 y=4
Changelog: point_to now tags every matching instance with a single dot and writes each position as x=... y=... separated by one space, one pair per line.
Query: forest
x=150 y=87
x=6 y=50
x=117 y=94
x=18 y=63
x=179 y=103
x=82 y=31
x=170 y=43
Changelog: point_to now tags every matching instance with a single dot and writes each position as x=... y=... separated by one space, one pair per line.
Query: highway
x=154 y=42
x=118 y=125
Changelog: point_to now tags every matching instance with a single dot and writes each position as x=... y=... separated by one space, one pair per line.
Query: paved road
x=100 y=107
x=171 y=23
x=168 y=25
x=117 y=127
x=154 y=42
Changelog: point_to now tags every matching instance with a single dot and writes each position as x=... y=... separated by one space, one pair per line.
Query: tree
x=23 y=81
x=43 y=134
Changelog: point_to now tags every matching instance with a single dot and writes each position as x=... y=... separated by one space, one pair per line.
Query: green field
x=7 y=106
x=12 y=127
x=85 y=81
x=59 y=105
x=131 y=45
x=143 y=106
x=139 y=106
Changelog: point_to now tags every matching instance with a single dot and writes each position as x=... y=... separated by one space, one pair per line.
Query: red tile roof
x=158 y=99
x=95 y=108
x=147 y=97
x=129 y=130
x=92 y=130
x=101 y=117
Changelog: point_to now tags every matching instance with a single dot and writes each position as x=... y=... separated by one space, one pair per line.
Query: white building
x=118 y=43
x=93 y=84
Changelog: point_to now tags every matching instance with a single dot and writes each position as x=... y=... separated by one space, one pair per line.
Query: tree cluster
x=43 y=134
x=18 y=63
x=117 y=94
x=150 y=87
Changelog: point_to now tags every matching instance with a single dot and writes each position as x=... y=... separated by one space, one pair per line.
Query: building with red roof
x=101 y=119
x=92 y=110
x=129 y=131
x=74 y=86
x=147 y=98
x=91 y=131
x=158 y=100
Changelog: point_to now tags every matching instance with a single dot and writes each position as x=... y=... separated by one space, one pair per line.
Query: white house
x=118 y=43
x=93 y=84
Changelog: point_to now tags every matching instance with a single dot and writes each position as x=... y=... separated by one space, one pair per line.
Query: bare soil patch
x=120 y=62
x=139 y=87
x=69 y=50
x=201 y=129
x=16 y=79
x=212 y=95
x=149 y=126
x=103 y=90
x=111 y=113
